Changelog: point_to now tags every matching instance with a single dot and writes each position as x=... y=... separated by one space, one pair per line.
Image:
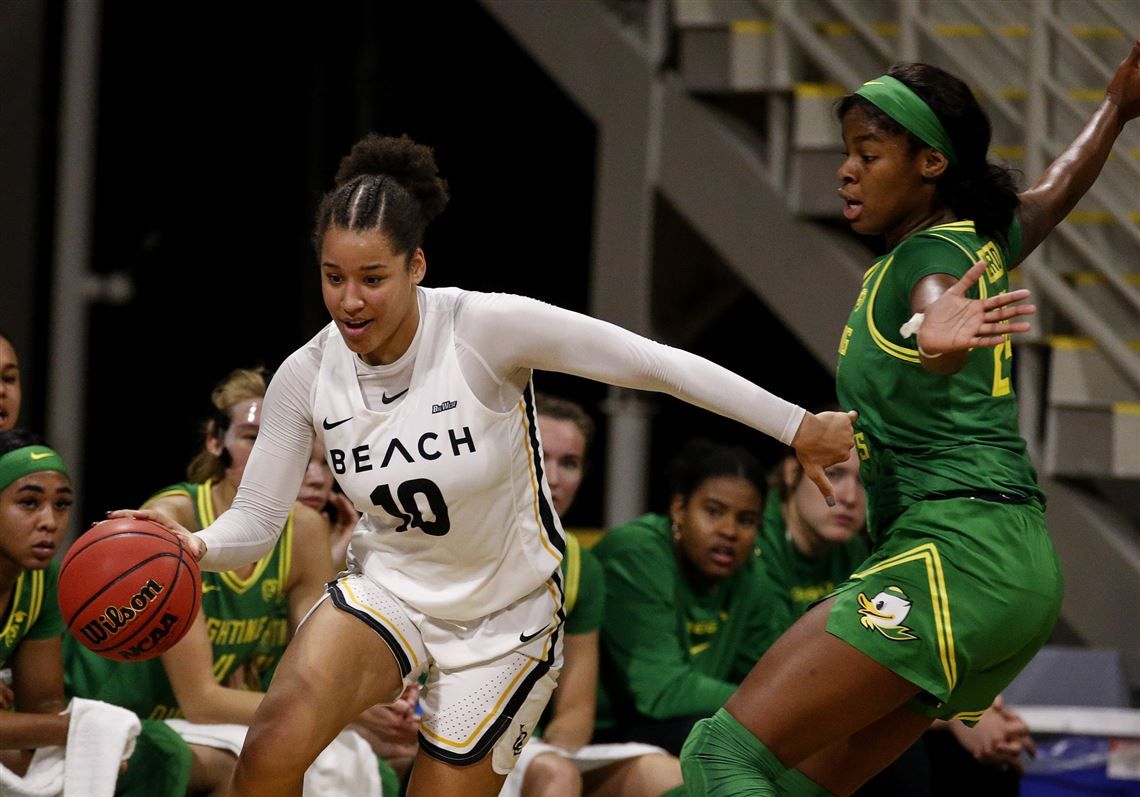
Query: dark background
x=220 y=126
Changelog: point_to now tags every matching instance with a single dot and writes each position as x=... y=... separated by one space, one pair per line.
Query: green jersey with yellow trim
x=238 y=612
x=33 y=610
x=921 y=435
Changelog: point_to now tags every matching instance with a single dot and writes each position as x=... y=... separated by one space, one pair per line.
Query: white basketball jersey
x=458 y=520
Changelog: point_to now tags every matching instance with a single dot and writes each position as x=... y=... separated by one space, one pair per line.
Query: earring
x=676 y=532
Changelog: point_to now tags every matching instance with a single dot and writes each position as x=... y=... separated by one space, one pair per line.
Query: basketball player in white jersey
x=422 y=400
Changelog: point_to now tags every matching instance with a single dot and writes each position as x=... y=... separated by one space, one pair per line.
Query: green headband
x=29 y=459
x=898 y=101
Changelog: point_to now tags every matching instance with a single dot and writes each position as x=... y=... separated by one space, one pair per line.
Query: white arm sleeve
x=512 y=332
x=250 y=527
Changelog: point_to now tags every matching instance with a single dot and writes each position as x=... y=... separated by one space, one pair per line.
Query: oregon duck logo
x=885 y=613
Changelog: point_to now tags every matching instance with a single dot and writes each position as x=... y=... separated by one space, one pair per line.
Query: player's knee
x=261 y=756
x=721 y=757
x=551 y=774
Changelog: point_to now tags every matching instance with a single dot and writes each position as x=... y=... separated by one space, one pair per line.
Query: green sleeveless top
x=920 y=435
x=33 y=610
x=237 y=610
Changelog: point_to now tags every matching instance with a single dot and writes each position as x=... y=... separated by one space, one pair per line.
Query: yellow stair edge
x=1077 y=343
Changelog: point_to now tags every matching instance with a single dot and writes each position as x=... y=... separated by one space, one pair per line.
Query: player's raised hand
x=1124 y=89
x=956 y=323
x=191 y=542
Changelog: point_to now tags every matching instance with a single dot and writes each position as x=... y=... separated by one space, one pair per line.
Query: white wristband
x=911 y=328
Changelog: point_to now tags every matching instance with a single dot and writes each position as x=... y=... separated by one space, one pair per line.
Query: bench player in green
x=9 y=384
x=963 y=586
x=567 y=432
x=806 y=546
x=202 y=678
x=687 y=610
x=35 y=502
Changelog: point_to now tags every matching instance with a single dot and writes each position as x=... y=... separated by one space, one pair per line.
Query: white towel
x=586 y=758
x=346 y=768
x=99 y=738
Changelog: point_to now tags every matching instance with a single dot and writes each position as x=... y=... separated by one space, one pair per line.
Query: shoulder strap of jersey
x=573 y=572
x=36 y=602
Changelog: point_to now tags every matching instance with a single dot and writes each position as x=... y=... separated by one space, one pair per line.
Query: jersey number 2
x=1002 y=354
x=408 y=509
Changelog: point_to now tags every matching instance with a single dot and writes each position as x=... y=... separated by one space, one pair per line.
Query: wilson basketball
x=128 y=590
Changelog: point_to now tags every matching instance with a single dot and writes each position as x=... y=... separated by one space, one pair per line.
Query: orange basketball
x=128 y=590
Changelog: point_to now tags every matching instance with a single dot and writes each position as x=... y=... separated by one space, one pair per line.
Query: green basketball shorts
x=957 y=599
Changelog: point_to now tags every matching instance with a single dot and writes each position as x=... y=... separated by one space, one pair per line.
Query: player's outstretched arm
x=1049 y=200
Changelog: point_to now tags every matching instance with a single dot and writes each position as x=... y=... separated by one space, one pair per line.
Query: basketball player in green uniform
x=35 y=502
x=807 y=548
x=195 y=679
x=963 y=586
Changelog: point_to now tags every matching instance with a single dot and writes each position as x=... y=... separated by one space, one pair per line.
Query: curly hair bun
x=410 y=164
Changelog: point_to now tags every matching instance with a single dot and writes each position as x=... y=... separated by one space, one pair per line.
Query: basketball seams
x=174 y=589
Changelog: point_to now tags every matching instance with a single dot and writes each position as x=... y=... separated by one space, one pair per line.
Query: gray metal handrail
x=1094 y=254
x=843 y=10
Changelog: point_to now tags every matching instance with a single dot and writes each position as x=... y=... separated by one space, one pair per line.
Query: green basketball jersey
x=921 y=435
x=33 y=610
x=237 y=610
x=802 y=581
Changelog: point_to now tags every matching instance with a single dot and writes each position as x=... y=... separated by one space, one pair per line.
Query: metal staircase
x=723 y=109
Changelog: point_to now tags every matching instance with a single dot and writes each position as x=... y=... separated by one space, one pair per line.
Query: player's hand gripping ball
x=128 y=589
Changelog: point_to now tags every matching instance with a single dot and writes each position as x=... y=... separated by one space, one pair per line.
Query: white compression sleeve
x=512 y=332
x=250 y=527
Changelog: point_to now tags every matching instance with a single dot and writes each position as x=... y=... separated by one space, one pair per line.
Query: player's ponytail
x=386 y=184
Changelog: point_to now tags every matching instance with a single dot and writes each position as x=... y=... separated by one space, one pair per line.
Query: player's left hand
x=956 y=323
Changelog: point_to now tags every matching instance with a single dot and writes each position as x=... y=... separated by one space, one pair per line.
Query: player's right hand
x=190 y=541
x=824 y=439
x=1124 y=90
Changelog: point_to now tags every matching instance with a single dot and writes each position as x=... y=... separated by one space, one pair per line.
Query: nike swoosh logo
x=41 y=455
x=389 y=399
x=325 y=423
x=529 y=637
